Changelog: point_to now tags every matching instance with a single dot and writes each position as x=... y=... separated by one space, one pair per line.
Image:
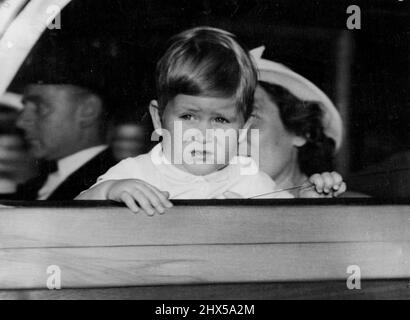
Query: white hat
x=302 y=88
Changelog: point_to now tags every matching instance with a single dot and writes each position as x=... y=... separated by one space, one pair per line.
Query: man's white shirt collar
x=66 y=166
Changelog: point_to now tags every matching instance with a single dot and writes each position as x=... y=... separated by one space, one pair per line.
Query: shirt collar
x=69 y=164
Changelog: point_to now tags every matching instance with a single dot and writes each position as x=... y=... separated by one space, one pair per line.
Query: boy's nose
x=206 y=131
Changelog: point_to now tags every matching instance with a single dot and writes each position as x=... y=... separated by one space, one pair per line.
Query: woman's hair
x=304 y=119
x=208 y=62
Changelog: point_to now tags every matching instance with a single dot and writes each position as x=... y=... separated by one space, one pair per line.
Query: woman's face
x=277 y=146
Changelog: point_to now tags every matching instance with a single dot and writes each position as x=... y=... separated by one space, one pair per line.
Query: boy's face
x=203 y=132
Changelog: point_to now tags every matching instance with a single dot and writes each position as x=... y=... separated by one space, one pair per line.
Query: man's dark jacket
x=79 y=180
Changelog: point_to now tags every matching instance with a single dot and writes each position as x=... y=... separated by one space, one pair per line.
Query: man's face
x=49 y=121
x=203 y=132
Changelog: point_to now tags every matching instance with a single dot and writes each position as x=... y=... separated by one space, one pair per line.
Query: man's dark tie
x=29 y=190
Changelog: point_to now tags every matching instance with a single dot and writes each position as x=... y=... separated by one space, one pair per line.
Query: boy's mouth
x=201 y=155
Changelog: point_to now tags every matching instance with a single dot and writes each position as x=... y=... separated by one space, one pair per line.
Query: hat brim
x=302 y=88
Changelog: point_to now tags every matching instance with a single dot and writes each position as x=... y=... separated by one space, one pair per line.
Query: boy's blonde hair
x=208 y=62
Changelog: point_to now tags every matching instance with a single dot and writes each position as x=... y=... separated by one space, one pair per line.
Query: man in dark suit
x=63 y=125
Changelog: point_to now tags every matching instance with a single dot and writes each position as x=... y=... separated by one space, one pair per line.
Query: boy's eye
x=255 y=115
x=221 y=120
x=186 y=117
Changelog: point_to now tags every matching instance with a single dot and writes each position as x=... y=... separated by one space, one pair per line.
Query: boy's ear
x=155 y=116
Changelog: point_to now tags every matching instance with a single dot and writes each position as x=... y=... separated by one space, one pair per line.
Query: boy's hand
x=325 y=185
x=135 y=192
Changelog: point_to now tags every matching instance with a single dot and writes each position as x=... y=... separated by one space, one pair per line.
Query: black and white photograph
x=204 y=154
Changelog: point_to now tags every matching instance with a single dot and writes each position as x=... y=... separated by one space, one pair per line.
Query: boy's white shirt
x=155 y=169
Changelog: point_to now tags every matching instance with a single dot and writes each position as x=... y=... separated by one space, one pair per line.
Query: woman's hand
x=324 y=185
x=138 y=194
